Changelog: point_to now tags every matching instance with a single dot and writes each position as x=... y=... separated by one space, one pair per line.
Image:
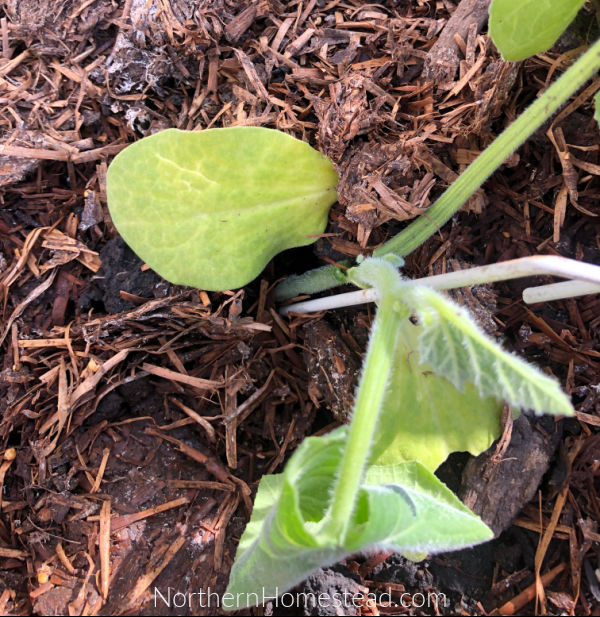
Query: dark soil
x=142 y=415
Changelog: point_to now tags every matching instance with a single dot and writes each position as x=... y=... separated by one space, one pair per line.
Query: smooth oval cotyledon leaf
x=210 y=208
x=522 y=28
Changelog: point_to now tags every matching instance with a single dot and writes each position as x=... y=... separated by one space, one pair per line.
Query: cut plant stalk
x=585 y=279
x=467 y=183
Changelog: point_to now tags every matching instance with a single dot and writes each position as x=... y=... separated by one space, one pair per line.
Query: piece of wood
x=442 y=60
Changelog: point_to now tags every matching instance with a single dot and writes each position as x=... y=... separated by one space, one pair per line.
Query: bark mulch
x=136 y=417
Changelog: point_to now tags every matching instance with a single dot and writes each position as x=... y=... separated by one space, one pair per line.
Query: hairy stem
x=369 y=399
x=311 y=282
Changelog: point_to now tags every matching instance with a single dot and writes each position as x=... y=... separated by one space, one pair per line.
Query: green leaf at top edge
x=523 y=28
x=210 y=208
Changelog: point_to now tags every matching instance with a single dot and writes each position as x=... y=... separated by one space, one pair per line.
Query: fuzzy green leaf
x=424 y=416
x=455 y=347
x=413 y=515
x=436 y=505
x=280 y=546
x=404 y=508
x=210 y=208
x=523 y=28
x=449 y=378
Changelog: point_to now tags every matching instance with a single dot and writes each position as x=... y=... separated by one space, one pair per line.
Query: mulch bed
x=137 y=417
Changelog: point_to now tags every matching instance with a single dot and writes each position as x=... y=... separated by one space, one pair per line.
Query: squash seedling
x=432 y=384
x=210 y=208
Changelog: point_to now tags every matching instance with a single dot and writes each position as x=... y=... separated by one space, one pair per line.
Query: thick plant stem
x=479 y=170
x=369 y=399
x=311 y=282
x=494 y=155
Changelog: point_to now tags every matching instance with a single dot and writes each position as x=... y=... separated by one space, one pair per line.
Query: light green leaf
x=450 y=379
x=267 y=495
x=523 y=28
x=454 y=346
x=432 y=518
x=411 y=519
x=404 y=508
x=210 y=208
x=597 y=107
x=425 y=418
x=281 y=545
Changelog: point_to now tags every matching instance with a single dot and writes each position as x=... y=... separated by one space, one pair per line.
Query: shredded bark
x=137 y=417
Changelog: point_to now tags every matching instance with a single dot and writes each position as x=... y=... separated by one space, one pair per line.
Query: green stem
x=475 y=175
x=494 y=155
x=311 y=282
x=369 y=399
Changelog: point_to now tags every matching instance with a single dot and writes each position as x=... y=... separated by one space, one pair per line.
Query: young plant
x=432 y=384
x=428 y=388
x=209 y=209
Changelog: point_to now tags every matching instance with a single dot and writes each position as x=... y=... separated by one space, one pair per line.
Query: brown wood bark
x=442 y=60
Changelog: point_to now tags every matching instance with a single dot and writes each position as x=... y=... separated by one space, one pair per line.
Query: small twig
x=586 y=279
x=104 y=542
x=528 y=594
x=126 y=10
x=6 y=50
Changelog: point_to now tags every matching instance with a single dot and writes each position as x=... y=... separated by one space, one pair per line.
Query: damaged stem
x=585 y=279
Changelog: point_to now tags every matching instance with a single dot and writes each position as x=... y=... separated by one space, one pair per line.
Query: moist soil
x=137 y=417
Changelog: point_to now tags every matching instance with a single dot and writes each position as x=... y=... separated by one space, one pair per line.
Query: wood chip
x=195 y=382
x=154 y=570
x=104 y=546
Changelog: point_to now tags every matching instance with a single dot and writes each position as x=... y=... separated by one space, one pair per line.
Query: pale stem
x=586 y=275
x=558 y=291
x=369 y=399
